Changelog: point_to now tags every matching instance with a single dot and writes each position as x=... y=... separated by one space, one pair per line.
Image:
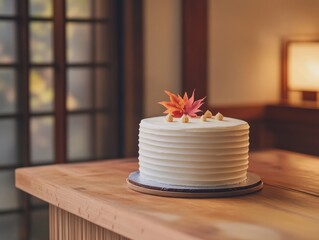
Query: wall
x=244 y=46
x=162 y=52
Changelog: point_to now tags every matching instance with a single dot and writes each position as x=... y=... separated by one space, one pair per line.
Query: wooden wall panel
x=194 y=46
x=132 y=74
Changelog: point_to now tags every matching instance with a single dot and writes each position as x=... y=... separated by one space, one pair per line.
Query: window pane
x=79 y=88
x=7 y=7
x=102 y=44
x=42 y=139
x=40 y=224
x=79 y=137
x=41 y=89
x=79 y=9
x=106 y=141
x=9 y=193
x=7 y=42
x=8 y=143
x=10 y=226
x=79 y=42
x=41 y=42
x=41 y=8
x=103 y=88
x=102 y=8
x=7 y=91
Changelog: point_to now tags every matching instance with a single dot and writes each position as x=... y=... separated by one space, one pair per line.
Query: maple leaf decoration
x=178 y=106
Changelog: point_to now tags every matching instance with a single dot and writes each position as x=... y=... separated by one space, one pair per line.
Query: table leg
x=67 y=226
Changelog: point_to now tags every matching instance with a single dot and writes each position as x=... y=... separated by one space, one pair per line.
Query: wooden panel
x=98 y=193
x=60 y=88
x=23 y=97
x=194 y=46
x=309 y=96
x=294 y=128
x=67 y=226
x=306 y=113
x=291 y=171
x=245 y=112
x=283 y=70
x=132 y=73
x=295 y=137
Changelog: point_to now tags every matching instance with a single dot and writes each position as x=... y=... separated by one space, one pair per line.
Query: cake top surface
x=195 y=124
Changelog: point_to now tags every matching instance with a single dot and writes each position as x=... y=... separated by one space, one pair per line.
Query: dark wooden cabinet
x=294 y=127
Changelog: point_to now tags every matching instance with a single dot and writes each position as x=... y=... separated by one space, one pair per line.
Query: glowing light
x=303 y=66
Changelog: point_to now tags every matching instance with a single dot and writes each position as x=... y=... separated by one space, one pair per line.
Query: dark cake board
x=252 y=184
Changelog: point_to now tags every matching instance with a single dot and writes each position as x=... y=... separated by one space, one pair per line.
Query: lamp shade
x=303 y=66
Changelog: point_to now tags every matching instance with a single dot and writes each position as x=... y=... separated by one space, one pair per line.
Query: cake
x=197 y=153
x=185 y=149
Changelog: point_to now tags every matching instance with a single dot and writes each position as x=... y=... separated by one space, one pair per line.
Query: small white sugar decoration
x=184 y=119
x=208 y=114
x=169 y=118
x=203 y=118
x=219 y=117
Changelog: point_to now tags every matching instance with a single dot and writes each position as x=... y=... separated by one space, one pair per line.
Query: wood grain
x=67 y=226
x=97 y=192
x=288 y=170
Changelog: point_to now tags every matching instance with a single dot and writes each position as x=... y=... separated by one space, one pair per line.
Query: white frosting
x=211 y=153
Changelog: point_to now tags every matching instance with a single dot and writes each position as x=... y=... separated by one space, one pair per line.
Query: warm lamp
x=302 y=68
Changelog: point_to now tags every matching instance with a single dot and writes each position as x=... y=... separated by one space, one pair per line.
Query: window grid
x=23 y=113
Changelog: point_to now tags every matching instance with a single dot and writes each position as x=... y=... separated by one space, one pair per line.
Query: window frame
x=22 y=67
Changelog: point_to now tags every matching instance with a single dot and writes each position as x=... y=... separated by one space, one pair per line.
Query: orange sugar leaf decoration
x=178 y=106
x=175 y=106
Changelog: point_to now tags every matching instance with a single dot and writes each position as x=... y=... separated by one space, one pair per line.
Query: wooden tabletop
x=287 y=207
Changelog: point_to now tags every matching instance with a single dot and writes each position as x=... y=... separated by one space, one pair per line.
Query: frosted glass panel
x=7 y=91
x=7 y=42
x=7 y=7
x=41 y=8
x=83 y=8
x=79 y=89
x=40 y=224
x=102 y=49
x=9 y=193
x=41 y=89
x=10 y=226
x=103 y=88
x=8 y=143
x=79 y=9
x=42 y=139
x=41 y=42
x=79 y=42
x=79 y=137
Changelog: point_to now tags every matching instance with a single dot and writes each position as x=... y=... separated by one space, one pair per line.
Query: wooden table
x=92 y=201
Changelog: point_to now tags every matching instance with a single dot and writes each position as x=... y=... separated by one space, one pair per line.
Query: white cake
x=197 y=153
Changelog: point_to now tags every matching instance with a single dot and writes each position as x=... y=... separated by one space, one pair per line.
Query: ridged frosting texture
x=212 y=153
